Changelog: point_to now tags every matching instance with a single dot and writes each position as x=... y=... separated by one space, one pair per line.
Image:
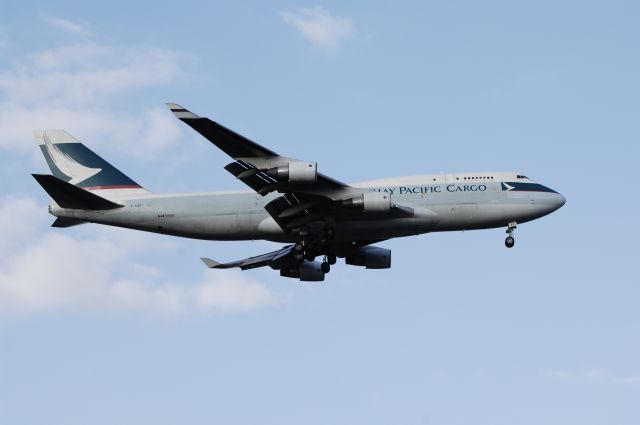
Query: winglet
x=210 y=263
x=181 y=112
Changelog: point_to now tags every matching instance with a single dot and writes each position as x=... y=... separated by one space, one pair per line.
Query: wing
x=306 y=195
x=358 y=254
x=274 y=259
x=253 y=161
x=232 y=143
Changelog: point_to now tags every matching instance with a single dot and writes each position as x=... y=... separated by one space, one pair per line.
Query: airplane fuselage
x=441 y=202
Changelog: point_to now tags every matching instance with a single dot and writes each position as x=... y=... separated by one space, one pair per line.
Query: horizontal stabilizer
x=66 y=222
x=69 y=196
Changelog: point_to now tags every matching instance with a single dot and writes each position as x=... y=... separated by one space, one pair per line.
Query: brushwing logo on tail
x=67 y=165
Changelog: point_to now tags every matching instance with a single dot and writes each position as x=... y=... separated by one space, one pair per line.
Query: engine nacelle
x=308 y=271
x=371 y=257
x=370 y=202
x=298 y=171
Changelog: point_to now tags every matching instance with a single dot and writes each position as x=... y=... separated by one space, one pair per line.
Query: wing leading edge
x=230 y=142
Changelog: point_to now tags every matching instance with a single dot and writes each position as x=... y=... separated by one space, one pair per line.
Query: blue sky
x=101 y=325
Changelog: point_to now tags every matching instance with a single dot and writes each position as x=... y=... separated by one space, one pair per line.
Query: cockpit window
x=522 y=177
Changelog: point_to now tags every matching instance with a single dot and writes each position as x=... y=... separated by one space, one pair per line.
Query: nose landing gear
x=509 y=242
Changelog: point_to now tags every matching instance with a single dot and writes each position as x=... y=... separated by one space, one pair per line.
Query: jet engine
x=371 y=257
x=297 y=172
x=370 y=202
x=307 y=271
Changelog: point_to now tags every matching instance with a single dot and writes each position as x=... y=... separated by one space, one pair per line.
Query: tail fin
x=74 y=163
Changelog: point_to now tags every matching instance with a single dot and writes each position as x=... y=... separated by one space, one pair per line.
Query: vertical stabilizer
x=74 y=163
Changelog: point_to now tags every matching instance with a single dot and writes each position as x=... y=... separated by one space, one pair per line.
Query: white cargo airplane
x=290 y=202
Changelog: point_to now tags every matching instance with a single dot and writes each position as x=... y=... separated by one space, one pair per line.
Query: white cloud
x=44 y=270
x=319 y=26
x=143 y=136
x=67 y=25
x=86 y=73
x=72 y=86
x=233 y=293
x=19 y=218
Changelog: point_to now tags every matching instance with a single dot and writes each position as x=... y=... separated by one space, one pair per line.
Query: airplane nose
x=560 y=201
x=546 y=203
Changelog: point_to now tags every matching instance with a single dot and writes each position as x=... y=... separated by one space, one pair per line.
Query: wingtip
x=181 y=112
x=210 y=263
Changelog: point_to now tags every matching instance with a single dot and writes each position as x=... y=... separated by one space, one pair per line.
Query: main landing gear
x=509 y=242
x=304 y=250
x=309 y=246
x=328 y=261
x=325 y=267
x=298 y=250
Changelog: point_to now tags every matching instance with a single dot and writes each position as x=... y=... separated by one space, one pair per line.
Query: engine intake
x=370 y=202
x=371 y=257
x=298 y=171
x=308 y=271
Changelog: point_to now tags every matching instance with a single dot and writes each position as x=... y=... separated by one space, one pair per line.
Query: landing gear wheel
x=509 y=242
x=299 y=251
x=325 y=267
x=331 y=259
